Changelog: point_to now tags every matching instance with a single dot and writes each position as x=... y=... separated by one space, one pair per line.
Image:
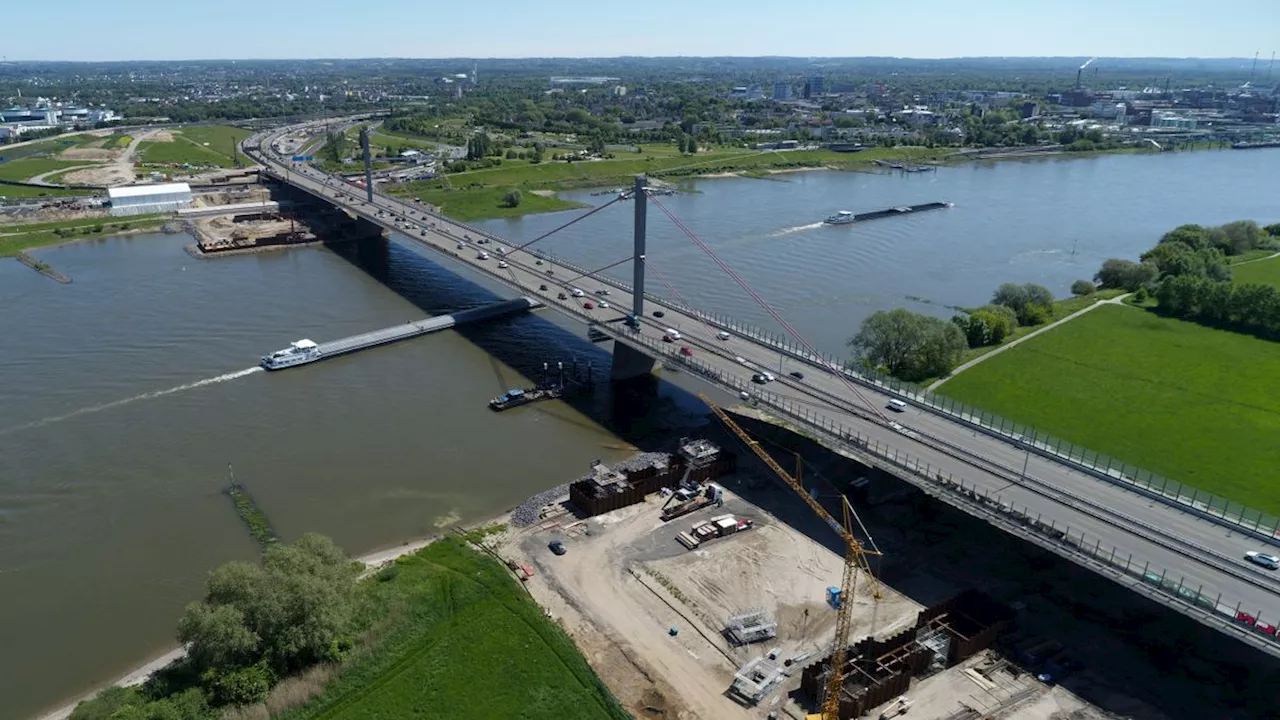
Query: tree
x=289 y=612
x=691 y=145
x=335 y=146
x=1031 y=303
x=1191 y=235
x=537 y=154
x=985 y=326
x=512 y=198
x=1125 y=274
x=1081 y=288
x=908 y=345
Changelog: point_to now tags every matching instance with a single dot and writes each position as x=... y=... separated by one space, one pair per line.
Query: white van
x=722 y=335
x=897 y=406
x=671 y=335
x=576 y=292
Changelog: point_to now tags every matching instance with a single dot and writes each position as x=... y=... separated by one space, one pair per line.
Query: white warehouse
x=140 y=199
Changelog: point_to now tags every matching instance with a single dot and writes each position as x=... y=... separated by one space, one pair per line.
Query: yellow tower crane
x=855 y=558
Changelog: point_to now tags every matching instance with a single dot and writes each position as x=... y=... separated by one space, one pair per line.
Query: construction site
x=711 y=583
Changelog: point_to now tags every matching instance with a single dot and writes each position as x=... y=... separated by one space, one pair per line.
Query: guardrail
x=1220 y=510
x=1170 y=588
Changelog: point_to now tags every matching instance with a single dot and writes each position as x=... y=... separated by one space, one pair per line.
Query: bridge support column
x=368 y=163
x=629 y=362
x=637 y=260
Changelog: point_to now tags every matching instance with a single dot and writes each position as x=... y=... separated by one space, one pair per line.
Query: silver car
x=1270 y=562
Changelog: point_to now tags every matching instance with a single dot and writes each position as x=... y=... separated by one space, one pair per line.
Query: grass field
x=1263 y=272
x=1192 y=403
x=1061 y=309
x=16 y=238
x=463 y=642
x=659 y=161
x=25 y=168
x=19 y=191
x=205 y=145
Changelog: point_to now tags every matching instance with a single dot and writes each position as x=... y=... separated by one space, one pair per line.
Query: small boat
x=844 y=217
x=298 y=353
x=515 y=397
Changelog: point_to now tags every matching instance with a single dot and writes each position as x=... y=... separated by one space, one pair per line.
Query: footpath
x=1113 y=301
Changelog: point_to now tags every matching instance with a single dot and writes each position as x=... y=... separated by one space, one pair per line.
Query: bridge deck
x=1185 y=548
x=397 y=333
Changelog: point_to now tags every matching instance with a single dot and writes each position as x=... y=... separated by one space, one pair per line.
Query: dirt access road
x=120 y=169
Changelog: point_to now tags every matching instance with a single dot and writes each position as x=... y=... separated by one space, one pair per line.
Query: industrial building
x=141 y=199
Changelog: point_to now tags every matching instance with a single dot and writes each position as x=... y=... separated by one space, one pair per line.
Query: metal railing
x=1161 y=582
x=1220 y=509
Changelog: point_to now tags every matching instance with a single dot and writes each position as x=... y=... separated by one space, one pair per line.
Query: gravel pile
x=526 y=513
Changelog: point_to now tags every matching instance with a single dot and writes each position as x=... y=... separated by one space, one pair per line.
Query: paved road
x=1208 y=556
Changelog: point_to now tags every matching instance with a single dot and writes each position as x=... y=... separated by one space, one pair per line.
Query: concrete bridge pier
x=629 y=362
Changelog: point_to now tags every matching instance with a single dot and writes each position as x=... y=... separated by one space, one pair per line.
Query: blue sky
x=185 y=29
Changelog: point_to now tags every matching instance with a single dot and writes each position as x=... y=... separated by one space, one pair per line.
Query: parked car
x=557 y=547
x=1270 y=562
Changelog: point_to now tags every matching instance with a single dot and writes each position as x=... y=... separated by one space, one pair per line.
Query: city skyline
x=661 y=28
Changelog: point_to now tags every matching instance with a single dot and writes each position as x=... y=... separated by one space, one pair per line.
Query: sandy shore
x=139 y=675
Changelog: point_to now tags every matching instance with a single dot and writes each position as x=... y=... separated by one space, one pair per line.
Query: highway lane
x=1255 y=589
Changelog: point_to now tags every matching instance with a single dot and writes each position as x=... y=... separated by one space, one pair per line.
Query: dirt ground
x=119 y=169
x=625 y=582
x=990 y=688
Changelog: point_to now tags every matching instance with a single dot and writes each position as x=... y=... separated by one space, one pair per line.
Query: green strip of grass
x=458 y=639
x=1262 y=272
x=1188 y=402
x=482 y=203
x=25 y=168
x=23 y=191
x=206 y=145
x=16 y=238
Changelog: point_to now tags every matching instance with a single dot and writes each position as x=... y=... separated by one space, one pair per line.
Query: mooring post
x=368 y=163
x=637 y=260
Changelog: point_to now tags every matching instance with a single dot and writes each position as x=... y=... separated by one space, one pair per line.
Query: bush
x=242 y=686
x=1141 y=295
x=1083 y=287
x=512 y=198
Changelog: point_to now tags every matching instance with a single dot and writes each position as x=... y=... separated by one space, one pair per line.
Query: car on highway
x=502 y=264
x=722 y=335
x=557 y=547
x=796 y=374
x=659 y=313
x=602 y=291
x=759 y=379
x=562 y=296
x=543 y=287
x=604 y=305
x=576 y=292
x=589 y=305
x=670 y=335
x=896 y=406
x=686 y=351
x=1270 y=562
x=1265 y=628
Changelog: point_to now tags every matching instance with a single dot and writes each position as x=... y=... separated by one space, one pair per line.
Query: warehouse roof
x=132 y=191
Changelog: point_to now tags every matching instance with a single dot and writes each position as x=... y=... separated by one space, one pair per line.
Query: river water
x=127 y=393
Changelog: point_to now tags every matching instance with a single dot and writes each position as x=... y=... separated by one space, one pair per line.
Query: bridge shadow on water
x=1141 y=660
x=645 y=412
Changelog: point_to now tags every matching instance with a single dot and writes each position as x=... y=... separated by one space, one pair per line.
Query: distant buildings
x=1171 y=121
x=781 y=91
x=45 y=115
x=816 y=86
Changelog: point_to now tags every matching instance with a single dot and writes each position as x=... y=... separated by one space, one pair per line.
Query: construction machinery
x=855 y=559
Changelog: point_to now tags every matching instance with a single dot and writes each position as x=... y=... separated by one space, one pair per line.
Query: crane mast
x=855 y=558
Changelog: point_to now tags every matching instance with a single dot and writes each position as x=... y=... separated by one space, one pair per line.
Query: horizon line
x=477 y=58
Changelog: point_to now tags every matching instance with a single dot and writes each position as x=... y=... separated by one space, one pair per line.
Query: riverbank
x=15 y=239
x=139 y=675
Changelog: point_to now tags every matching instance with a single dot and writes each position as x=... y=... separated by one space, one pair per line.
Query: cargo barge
x=1252 y=145
x=515 y=397
x=844 y=217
